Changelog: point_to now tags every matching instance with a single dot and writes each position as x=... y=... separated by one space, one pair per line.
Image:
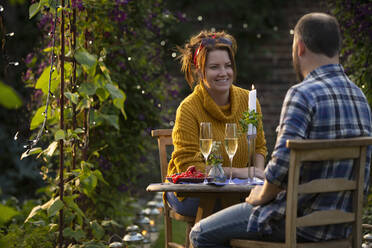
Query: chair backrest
x=321 y=150
x=164 y=139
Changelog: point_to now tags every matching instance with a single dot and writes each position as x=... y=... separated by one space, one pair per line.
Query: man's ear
x=301 y=48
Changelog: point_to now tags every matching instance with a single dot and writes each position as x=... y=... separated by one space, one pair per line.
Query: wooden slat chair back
x=321 y=150
x=164 y=137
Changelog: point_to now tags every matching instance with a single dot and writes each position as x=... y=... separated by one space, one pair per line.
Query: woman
x=209 y=61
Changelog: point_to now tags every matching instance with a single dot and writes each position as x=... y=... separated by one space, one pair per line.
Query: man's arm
x=261 y=195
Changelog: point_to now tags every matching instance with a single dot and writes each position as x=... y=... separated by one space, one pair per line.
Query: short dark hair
x=320 y=32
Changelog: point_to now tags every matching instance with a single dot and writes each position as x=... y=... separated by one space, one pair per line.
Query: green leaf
x=97 y=230
x=69 y=200
x=9 y=97
x=119 y=103
x=6 y=213
x=38 y=118
x=55 y=206
x=33 y=212
x=77 y=234
x=83 y=104
x=102 y=94
x=98 y=174
x=107 y=223
x=60 y=134
x=73 y=97
x=104 y=70
x=87 y=89
x=53 y=3
x=33 y=10
x=79 y=130
x=88 y=182
x=86 y=59
x=31 y=152
x=43 y=81
x=113 y=120
x=114 y=91
x=51 y=148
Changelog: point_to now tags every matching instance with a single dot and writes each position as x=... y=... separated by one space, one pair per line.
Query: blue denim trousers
x=187 y=207
x=218 y=229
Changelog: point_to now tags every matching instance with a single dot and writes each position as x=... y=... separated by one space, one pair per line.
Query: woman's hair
x=194 y=54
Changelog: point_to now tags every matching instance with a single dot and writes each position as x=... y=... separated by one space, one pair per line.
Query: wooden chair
x=319 y=150
x=164 y=140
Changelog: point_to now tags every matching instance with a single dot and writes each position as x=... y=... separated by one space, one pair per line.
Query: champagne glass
x=231 y=144
x=206 y=143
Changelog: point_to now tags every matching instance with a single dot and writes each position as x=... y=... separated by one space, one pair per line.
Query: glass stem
x=205 y=171
x=231 y=168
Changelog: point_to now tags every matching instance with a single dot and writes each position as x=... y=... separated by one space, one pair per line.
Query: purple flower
x=122 y=2
x=37 y=94
x=123 y=187
x=173 y=93
x=41 y=68
x=28 y=58
x=122 y=66
x=180 y=16
x=104 y=163
x=106 y=34
x=143 y=159
x=141 y=117
x=119 y=15
x=77 y=4
x=26 y=77
x=45 y=20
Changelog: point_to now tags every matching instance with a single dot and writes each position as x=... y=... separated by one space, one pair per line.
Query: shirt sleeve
x=294 y=122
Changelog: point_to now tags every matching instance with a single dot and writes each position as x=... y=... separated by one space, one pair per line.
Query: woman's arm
x=258 y=170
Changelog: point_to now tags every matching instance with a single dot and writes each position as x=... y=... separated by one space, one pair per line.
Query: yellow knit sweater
x=199 y=107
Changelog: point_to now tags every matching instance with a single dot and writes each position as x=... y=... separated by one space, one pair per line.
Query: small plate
x=190 y=179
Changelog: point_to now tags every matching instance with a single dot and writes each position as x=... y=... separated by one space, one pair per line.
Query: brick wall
x=277 y=61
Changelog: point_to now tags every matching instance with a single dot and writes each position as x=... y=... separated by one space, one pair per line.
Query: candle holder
x=153 y=231
x=152 y=210
x=158 y=198
x=116 y=245
x=133 y=239
x=251 y=139
x=144 y=224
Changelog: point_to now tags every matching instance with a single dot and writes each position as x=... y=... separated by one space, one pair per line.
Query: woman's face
x=219 y=72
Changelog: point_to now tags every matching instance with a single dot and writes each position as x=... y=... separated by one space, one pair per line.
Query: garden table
x=229 y=194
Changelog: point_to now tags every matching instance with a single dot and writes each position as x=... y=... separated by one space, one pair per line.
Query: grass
x=179 y=229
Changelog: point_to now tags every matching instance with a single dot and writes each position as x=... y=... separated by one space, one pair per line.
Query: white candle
x=252 y=106
x=252 y=99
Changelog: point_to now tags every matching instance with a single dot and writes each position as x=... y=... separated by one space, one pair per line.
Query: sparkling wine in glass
x=231 y=144
x=206 y=143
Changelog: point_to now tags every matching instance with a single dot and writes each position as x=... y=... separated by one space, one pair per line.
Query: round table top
x=198 y=187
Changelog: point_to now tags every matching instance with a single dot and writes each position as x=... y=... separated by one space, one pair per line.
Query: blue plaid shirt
x=326 y=105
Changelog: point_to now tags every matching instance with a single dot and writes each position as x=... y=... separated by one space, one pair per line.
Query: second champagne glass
x=231 y=144
x=206 y=143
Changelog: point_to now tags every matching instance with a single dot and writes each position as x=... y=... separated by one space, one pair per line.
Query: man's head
x=317 y=33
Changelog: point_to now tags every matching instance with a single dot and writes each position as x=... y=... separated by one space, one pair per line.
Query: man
x=325 y=105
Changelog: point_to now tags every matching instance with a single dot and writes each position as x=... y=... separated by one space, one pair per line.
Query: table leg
x=206 y=206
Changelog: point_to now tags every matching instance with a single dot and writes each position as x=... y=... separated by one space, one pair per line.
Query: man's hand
x=254 y=197
x=261 y=195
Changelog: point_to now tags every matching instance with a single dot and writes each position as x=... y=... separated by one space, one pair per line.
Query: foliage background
x=147 y=32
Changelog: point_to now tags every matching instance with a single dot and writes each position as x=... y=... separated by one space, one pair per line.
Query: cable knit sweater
x=200 y=107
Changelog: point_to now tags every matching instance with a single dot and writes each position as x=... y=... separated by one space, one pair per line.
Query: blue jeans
x=218 y=229
x=187 y=207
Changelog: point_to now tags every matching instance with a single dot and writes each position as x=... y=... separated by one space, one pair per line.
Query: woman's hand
x=243 y=172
